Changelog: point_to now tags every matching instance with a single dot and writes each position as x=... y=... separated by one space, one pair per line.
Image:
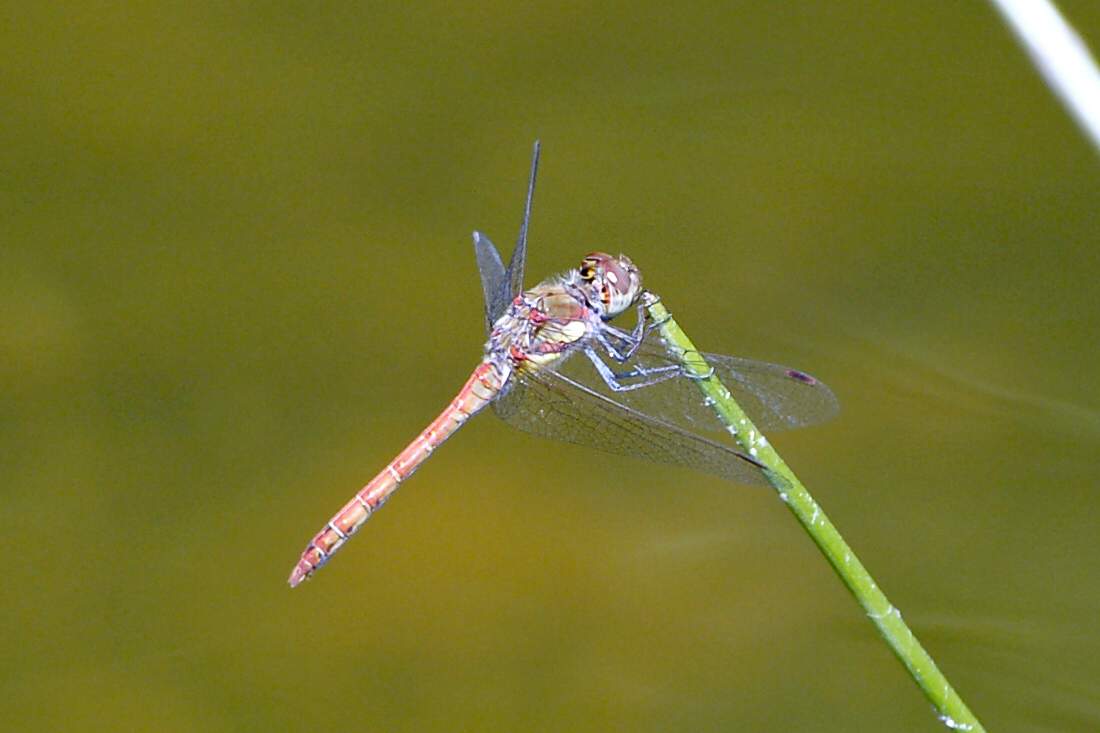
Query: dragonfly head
x=611 y=284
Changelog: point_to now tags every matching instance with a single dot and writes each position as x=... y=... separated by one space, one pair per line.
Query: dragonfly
x=554 y=365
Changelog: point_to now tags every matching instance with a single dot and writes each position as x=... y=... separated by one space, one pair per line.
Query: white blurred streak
x=1062 y=58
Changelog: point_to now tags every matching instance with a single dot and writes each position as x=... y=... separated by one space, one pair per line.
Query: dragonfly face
x=611 y=284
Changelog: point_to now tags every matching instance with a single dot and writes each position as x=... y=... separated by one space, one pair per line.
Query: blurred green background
x=236 y=277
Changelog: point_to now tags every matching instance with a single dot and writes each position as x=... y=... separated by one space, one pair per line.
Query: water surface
x=236 y=276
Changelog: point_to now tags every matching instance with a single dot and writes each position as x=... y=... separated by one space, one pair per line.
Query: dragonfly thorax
x=540 y=325
x=609 y=284
x=560 y=314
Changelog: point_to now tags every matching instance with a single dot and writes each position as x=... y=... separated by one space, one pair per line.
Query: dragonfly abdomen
x=480 y=389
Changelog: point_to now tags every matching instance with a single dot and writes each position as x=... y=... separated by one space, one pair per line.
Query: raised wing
x=494 y=280
x=776 y=397
x=554 y=406
x=518 y=262
x=500 y=286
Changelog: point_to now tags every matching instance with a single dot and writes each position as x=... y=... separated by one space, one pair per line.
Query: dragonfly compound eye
x=614 y=282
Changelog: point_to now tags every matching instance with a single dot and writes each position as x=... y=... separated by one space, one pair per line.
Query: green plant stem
x=953 y=711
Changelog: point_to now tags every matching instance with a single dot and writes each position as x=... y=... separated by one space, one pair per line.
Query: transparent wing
x=554 y=406
x=494 y=280
x=518 y=262
x=500 y=286
x=776 y=397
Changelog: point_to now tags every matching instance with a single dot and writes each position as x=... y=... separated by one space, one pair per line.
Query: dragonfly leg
x=648 y=299
x=638 y=333
x=619 y=352
x=628 y=341
x=645 y=376
x=619 y=344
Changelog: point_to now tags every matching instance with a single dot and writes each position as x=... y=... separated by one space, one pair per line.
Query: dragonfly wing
x=494 y=280
x=500 y=286
x=781 y=397
x=554 y=406
x=518 y=262
x=775 y=397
